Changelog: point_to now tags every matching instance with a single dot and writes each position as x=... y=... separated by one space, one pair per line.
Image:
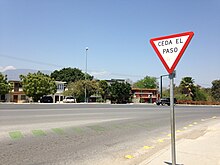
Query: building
x=144 y=95
x=58 y=96
x=16 y=94
x=115 y=80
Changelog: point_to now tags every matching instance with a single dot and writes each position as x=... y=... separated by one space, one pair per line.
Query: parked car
x=69 y=99
x=46 y=99
x=164 y=101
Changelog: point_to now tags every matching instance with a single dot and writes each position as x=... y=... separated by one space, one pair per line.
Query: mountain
x=15 y=73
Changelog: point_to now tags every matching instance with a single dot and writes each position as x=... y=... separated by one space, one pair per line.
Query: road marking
x=129 y=156
x=195 y=123
x=58 y=130
x=148 y=147
x=169 y=134
x=190 y=125
x=38 y=133
x=160 y=140
x=178 y=131
x=214 y=117
x=16 y=135
x=185 y=128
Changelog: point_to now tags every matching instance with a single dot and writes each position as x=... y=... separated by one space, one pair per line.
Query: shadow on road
x=171 y=163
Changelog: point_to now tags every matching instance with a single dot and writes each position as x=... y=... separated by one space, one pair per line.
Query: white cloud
x=2 y=69
x=100 y=74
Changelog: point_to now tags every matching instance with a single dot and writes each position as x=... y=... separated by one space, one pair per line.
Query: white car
x=69 y=99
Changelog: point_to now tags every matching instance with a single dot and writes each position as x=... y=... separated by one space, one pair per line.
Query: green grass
x=58 y=130
x=16 y=135
x=77 y=129
x=97 y=128
x=38 y=133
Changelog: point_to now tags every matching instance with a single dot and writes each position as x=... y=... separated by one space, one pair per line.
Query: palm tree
x=187 y=87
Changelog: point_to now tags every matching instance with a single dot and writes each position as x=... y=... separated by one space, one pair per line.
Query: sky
x=53 y=34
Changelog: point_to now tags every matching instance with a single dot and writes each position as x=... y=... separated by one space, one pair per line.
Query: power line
x=31 y=61
x=59 y=66
x=107 y=73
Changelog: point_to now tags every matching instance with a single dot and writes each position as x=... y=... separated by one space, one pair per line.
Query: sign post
x=170 y=49
x=172 y=118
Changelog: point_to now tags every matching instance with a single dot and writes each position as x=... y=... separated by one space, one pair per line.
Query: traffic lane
x=69 y=105
x=35 y=109
x=48 y=118
x=194 y=112
x=73 y=106
x=49 y=109
x=69 y=116
x=77 y=147
x=92 y=145
x=44 y=115
x=114 y=137
x=30 y=123
x=96 y=138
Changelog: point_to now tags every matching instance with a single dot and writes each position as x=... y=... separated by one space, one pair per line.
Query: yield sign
x=171 y=48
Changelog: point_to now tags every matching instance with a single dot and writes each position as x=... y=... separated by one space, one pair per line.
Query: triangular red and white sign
x=171 y=48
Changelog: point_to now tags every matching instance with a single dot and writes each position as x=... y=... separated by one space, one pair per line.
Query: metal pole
x=161 y=84
x=161 y=95
x=86 y=75
x=172 y=118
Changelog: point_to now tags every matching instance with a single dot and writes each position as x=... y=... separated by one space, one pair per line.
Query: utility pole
x=161 y=84
x=86 y=74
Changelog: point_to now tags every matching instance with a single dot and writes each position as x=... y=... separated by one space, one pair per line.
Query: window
x=60 y=86
x=23 y=97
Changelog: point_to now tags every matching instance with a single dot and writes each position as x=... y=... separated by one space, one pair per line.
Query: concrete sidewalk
x=202 y=150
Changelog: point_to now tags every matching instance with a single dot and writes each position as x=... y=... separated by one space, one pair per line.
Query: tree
x=77 y=89
x=104 y=89
x=70 y=75
x=120 y=92
x=208 y=93
x=215 y=90
x=4 y=85
x=188 y=88
x=200 y=94
x=36 y=85
x=147 y=82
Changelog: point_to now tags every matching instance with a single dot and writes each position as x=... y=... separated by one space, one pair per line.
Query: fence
x=198 y=102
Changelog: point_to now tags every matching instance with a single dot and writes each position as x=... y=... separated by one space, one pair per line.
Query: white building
x=58 y=96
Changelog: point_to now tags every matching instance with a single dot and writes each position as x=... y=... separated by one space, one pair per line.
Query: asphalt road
x=90 y=133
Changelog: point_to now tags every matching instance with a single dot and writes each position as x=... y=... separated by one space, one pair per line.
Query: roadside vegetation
x=4 y=85
x=146 y=82
x=36 y=85
x=190 y=93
